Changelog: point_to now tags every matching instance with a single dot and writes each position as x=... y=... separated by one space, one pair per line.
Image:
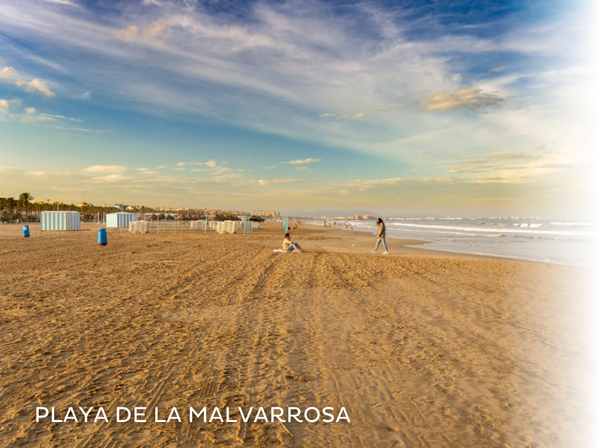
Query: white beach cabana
x=120 y=219
x=139 y=226
x=60 y=220
x=198 y=225
x=231 y=226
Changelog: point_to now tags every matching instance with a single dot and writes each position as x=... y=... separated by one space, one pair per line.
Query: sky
x=462 y=108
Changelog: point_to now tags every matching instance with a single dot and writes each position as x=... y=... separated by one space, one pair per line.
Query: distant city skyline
x=448 y=108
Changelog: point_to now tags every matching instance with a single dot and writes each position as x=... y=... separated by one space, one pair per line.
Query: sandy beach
x=423 y=349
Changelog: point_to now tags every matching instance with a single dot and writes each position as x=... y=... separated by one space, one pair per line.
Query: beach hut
x=120 y=219
x=198 y=225
x=221 y=227
x=231 y=226
x=139 y=226
x=60 y=220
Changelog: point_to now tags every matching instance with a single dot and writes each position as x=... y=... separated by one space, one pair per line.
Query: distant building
x=266 y=213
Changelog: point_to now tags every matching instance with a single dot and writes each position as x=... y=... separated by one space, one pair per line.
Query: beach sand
x=422 y=348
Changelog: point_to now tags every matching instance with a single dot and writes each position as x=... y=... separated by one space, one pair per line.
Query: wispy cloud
x=150 y=171
x=14 y=110
x=33 y=113
x=227 y=177
x=354 y=67
x=12 y=76
x=127 y=34
x=112 y=178
x=105 y=169
x=210 y=163
x=263 y=182
x=303 y=64
x=302 y=161
x=6 y=106
x=473 y=100
x=63 y=2
x=215 y=168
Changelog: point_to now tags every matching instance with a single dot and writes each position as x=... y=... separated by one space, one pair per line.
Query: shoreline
x=421 y=245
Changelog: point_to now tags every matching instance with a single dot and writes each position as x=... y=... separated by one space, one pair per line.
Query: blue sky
x=398 y=107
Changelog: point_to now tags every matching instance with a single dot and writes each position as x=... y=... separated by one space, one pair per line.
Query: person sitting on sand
x=289 y=245
x=380 y=236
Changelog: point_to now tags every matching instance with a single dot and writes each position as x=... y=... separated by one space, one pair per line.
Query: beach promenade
x=422 y=349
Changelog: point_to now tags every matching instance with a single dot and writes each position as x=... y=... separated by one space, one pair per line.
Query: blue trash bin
x=25 y=230
x=102 y=238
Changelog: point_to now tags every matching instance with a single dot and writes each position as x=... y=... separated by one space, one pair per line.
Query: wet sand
x=422 y=348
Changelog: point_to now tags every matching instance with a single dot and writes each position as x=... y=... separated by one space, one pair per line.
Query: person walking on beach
x=380 y=236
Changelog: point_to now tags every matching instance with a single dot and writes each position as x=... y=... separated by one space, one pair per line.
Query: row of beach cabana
x=68 y=220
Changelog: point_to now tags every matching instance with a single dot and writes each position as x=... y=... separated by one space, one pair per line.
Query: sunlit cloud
x=227 y=177
x=105 y=169
x=111 y=178
x=11 y=76
x=221 y=170
x=4 y=105
x=154 y=30
x=473 y=100
x=302 y=161
x=210 y=163
x=37 y=86
x=132 y=33
x=127 y=34
x=149 y=171
x=264 y=182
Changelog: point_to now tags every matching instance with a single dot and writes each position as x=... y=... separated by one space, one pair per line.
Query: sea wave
x=519 y=230
x=572 y=224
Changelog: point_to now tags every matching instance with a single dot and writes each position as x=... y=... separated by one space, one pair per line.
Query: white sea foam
x=519 y=230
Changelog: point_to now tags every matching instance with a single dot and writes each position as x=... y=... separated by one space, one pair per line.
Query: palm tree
x=24 y=200
x=11 y=203
x=39 y=206
x=3 y=206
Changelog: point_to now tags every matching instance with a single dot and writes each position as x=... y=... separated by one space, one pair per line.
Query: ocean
x=548 y=241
